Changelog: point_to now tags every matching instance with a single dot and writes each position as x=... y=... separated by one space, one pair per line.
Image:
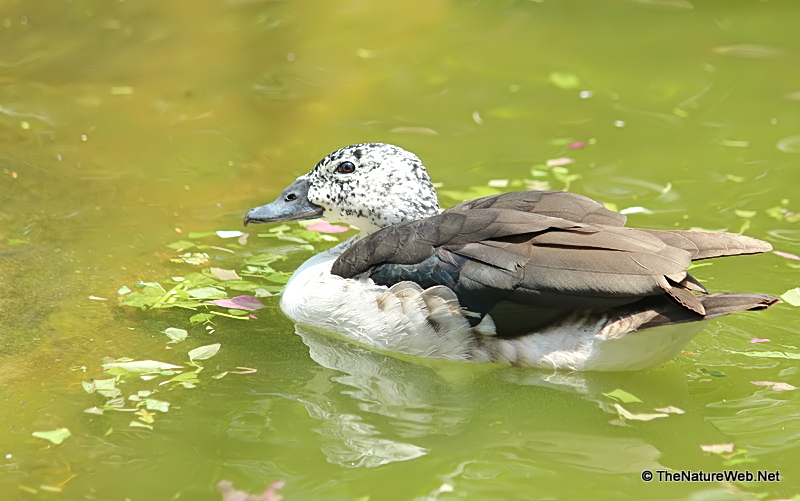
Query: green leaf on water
x=186 y=377
x=207 y=293
x=181 y=244
x=176 y=335
x=99 y=384
x=279 y=277
x=200 y=318
x=141 y=366
x=624 y=413
x=564 y=80
x=123 y=290
x=156 y=405
x=224 y=275
x=139 y=424
x=204 y=352
x=202 y=234
x=622 y=396
x=55 y=436
x=792 y=296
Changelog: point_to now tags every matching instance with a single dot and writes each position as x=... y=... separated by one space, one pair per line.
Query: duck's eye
x=346 y=168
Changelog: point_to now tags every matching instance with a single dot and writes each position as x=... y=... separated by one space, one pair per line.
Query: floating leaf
x=792 y=296
x=123 y=290
x=55 y=436
x=99 y=384
x=200 y=318
x=141 y=366
x=248 y=303
x=176 y=335
x=94 y=410
x=776 y=386
x=195 y=258
x=279 y=277
x=186 y=377
x=718 y=448
x=745 y=213
x=204 y=352
x=671 y=409
x=96 y=298
x=713 y=373
x=622 y=396
x=564 y=80
x=156 y=405
x=244 y=370
x=224 y=275
x=206 y=293
x=624 y=413
x=139 y=424
x=181 y=245
x=147 y=417
x=326 y=227
x=113 y=393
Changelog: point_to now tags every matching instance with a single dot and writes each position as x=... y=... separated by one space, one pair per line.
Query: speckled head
x=372 y=186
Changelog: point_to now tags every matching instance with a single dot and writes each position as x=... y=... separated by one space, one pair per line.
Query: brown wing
x=502 y=254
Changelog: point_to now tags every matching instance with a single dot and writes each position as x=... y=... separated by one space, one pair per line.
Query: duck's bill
x=291 y=205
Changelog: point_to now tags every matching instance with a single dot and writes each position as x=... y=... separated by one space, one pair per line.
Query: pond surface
x=127 y=126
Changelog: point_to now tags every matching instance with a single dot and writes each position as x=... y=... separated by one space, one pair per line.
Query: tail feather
x=708 y=244
x=657 y=312
x=717 y=305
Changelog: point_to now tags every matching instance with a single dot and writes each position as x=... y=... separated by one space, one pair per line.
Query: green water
x=125 y=122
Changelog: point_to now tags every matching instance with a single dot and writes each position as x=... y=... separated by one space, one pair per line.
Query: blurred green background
x=126 y=125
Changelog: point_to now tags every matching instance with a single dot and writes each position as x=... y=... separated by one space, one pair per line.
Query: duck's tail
x=708 y=244
x=650 y=313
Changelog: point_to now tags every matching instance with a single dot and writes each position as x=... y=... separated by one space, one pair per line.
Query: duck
x=541 y=279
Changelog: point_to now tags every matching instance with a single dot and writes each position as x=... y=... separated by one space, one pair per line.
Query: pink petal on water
x=326 y=227
x=248 y=303
x=252 y=316
x=757 y=340
x=576 y=145
x=786 y=255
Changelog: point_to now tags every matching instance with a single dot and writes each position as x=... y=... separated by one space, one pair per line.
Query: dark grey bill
x=292 y=205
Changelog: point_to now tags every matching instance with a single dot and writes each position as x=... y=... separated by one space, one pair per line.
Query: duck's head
x=371 y=186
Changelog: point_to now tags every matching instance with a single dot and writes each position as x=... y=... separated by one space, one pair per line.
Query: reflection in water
x=530 y=418
x=414 y=400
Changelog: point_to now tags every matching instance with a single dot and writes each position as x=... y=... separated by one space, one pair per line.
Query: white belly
x=430 y=323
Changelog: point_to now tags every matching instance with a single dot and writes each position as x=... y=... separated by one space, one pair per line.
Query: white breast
x=396 y=319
